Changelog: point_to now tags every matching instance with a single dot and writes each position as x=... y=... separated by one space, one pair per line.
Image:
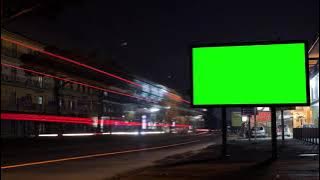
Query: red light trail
x=175 y=97
x=75 y=120
x=70 y=61
x=45 y=118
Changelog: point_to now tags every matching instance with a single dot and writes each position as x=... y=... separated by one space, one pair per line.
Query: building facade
x=30 y=87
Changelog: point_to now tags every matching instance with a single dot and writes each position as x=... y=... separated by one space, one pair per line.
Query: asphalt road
x=91 y=157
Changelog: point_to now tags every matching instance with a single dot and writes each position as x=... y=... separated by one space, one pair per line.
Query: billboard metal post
x=255 y=124
x=274 y=132
x=249 y=127
x=224 y=132
x=282 y=125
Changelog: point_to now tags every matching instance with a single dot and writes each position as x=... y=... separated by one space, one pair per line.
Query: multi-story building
x=35 y=82
x=21 y=91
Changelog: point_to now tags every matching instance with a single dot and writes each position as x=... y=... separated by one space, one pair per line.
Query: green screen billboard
x=250 y=74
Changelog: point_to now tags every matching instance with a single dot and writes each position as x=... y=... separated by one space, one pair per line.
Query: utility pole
x=274 y=133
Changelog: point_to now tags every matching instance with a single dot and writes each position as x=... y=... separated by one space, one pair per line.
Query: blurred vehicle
x=287 y=131
x=181 y=130
x=203 y=130
x=308 y=126
x=259 y=131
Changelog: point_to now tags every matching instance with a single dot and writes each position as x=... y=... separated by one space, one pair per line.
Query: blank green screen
x=249 y=74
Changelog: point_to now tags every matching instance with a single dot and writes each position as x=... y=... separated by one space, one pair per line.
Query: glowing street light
x=153 y=109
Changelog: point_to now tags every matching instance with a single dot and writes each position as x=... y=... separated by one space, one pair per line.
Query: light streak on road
x=95 y=155
x=79 y=134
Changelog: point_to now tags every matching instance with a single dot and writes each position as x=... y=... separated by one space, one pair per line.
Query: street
x=101 y=159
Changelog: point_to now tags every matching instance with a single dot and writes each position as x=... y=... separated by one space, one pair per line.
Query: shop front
x=304 y=117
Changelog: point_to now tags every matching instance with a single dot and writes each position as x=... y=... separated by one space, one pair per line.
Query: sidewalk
x=246 y=161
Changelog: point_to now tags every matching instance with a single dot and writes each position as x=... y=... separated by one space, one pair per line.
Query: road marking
x=95 y=155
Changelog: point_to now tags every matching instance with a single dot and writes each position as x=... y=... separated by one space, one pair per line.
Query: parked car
x=260 y=131
x=287 y=131
x=308 y=126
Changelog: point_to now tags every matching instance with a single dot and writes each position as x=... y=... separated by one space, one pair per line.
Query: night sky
x=151 y=38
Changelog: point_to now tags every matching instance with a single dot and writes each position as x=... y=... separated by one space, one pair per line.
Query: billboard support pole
x=274 y=132
x=249 y=127
x=282 y=125
x=224 y=132
x=255 y=124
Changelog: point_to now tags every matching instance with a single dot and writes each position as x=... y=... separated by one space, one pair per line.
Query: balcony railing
x=24 y=81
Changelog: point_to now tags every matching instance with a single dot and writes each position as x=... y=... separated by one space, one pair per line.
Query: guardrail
x=310 y=135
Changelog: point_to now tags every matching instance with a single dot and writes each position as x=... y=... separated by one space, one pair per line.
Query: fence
x=310 y=135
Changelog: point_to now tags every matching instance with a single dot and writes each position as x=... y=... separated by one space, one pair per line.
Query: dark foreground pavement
x=100 y=157
x=246 y=161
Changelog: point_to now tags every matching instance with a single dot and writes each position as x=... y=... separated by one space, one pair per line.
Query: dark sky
x=151 y=38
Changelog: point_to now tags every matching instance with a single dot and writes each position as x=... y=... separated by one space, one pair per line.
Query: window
x=104 y=108
x=314 y=88
x=71 y=104
x=40 y=100
x=60 y=102
x=40 y=80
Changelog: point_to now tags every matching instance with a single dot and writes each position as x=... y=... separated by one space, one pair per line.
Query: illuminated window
x=314 y=88
x=71 y=104
x=60 y=102
x=104 y=108
x=40 y=100
x=40 y=80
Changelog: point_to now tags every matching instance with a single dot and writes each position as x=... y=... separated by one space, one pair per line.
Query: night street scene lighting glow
x=159 y=89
